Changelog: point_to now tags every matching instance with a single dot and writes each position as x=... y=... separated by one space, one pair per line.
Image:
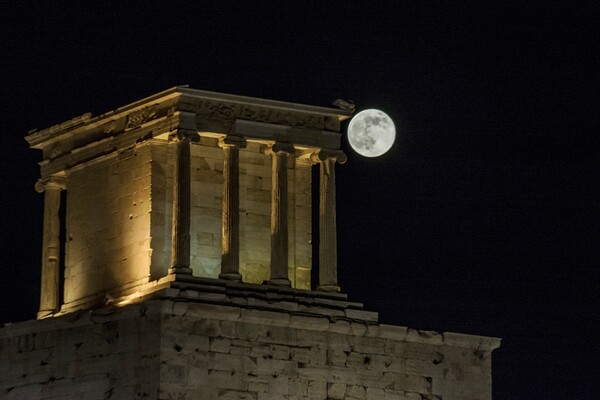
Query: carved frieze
x=55 y=151
x=109 y=127
x=139 y=117
x=221 y=110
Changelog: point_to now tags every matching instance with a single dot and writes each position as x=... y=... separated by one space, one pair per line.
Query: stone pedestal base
x=44 y=314
x=280 y=282
x=316 y=347
x=180 y=270
x=329 y=288
x=231 y=276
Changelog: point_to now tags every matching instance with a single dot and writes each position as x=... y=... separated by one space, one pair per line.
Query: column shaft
x=230 y=241
x=279 y=219
x=327 y=228
x=180 y=251
x=327 y=220
x=50 y=284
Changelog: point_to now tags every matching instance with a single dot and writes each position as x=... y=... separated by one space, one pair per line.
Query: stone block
x=375 y=394
x=261 y=351
x=462 y=390
x=331 y=374
x=267 y=367
x=356 y=392
x=361 y=344
x=301 y=354
x=313 y=322
x=236 y=395
x=258 y=386
x=336 y=390
x=277 y=319
x=424 y=368
x=279 y=352
x=362 y=315
x=206 y=327
x=317 y=389
x=413 y=383
x=375 y=379
x=240 y=351
x=174 y=373
x=429 y=337
x=219 y=345
x=226 y=380
x=469 y=373
x=396 y=365
x=252 y=182
x=215 y=312
x=336 y=357
x=279 y=384
x=232 y=363
x=401 y=395
x=423 y=352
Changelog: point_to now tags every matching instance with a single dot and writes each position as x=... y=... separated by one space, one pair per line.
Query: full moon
x=371 y=133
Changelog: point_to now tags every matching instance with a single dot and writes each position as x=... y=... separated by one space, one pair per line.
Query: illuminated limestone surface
x=185 y=182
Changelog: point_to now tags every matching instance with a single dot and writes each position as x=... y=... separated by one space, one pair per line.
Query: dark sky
x=484 y=217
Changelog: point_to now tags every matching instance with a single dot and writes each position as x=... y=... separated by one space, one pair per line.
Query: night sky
x=484 y=217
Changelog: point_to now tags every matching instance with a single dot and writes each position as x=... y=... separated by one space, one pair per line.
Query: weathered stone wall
x=85 y=356
x=213 y=352
x=108 y=225
x=177 y=350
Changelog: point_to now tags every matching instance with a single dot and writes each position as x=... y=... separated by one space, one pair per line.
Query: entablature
x=160 y=116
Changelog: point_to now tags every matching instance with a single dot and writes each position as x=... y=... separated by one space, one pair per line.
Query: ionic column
x=230 y=240
x=279 y=207
x=180 y=250
x=49 y=291
x=327 y=220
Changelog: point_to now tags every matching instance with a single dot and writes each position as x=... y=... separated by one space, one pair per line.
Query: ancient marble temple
x=176 y=264
x=181 y=185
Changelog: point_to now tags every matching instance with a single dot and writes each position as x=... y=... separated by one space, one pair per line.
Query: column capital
x=280 y=147
x=327 y=154
x=233 y=141
x=189 y=134
x=187 y=127
x=55 y=182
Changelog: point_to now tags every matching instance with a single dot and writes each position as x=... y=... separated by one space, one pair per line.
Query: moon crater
x=371 y=133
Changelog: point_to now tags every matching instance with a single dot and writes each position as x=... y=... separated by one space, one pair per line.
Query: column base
x=280 y=282
x=44 y=314
x=180 y=270
x=329 y=288
x=231 y=276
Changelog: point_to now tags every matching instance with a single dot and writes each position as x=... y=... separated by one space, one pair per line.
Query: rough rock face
x=165 y=349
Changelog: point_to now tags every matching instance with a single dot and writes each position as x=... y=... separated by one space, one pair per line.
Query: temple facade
x=176 y=264
x=186 y=183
